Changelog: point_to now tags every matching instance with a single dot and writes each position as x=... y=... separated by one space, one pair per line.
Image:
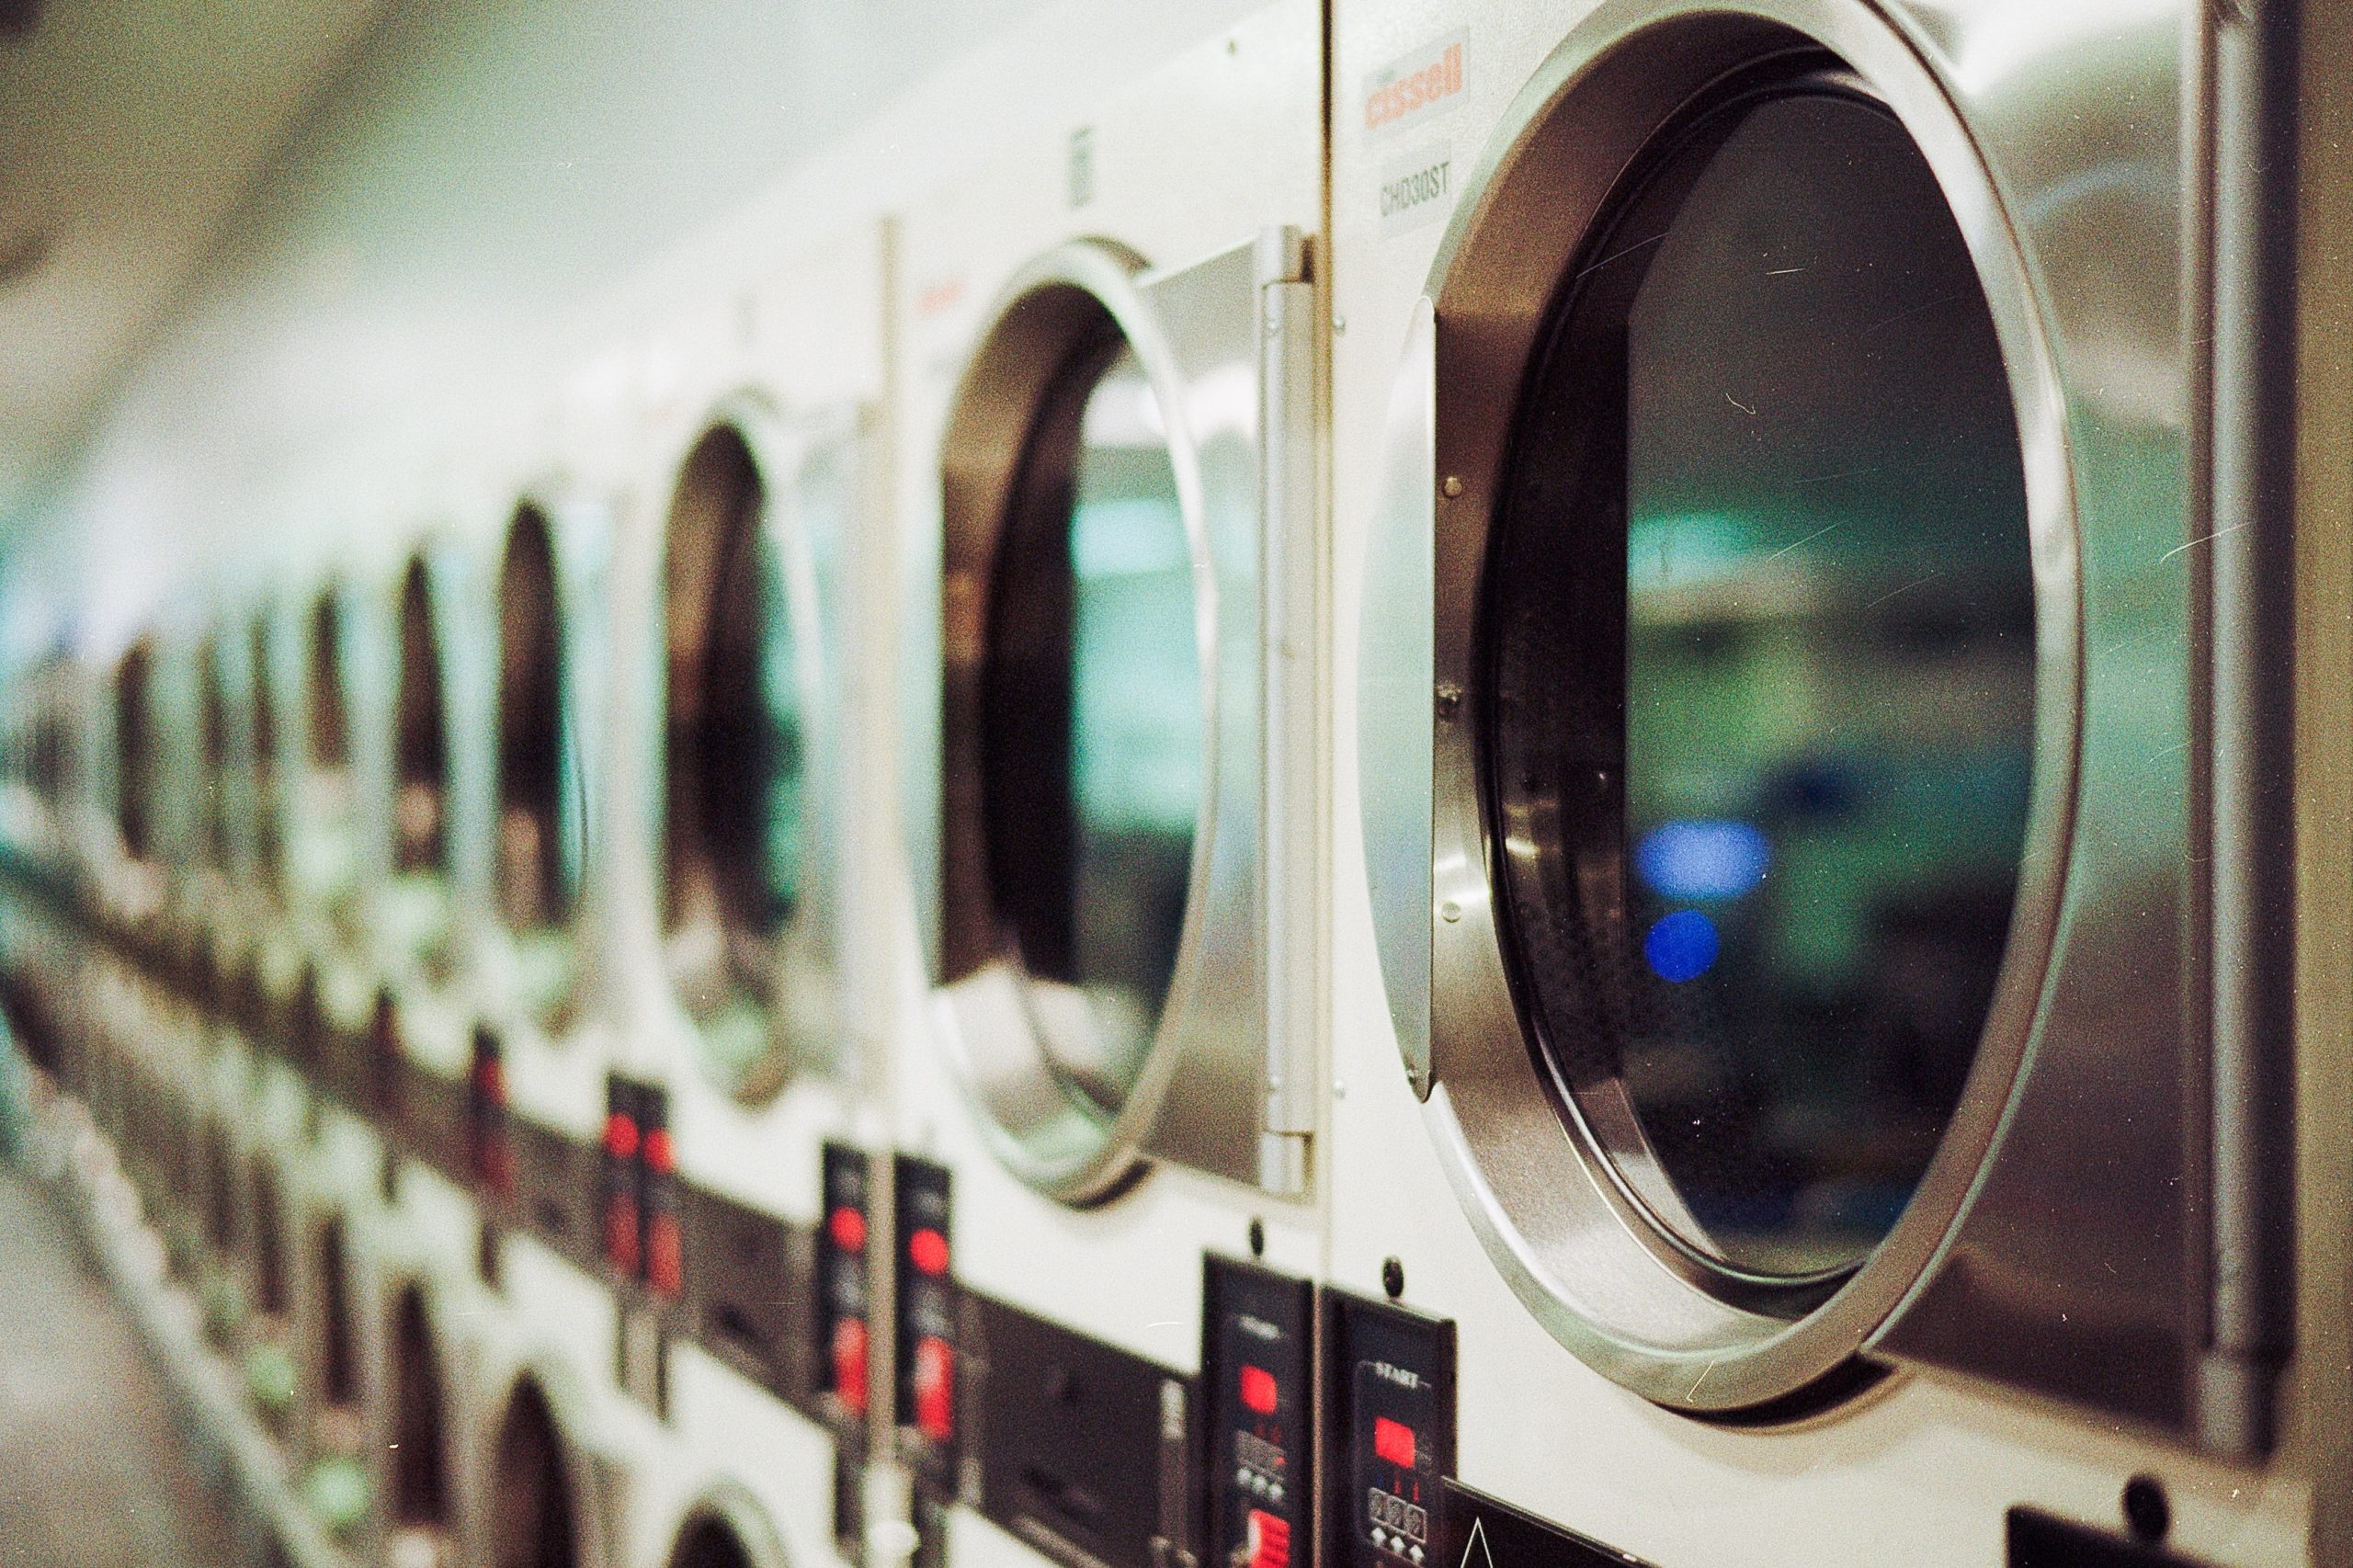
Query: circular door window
x=134 y=753
x=737 y=813
x=269 y=840
x=1075 y=748
x=418 y=911
x=538 y=811
x=1762 y=662
x=1759 y=727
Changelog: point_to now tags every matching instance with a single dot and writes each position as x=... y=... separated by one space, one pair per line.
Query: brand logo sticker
x=1413 y=86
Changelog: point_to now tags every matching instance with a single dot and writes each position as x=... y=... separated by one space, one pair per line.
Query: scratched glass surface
x=1135 y=728
x=1829 y=693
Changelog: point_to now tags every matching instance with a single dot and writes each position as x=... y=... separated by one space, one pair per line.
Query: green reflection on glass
x=1830 y=656
x=1135 y=752
x=776 y=775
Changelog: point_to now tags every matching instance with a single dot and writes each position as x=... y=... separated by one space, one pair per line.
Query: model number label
x=1417 y=188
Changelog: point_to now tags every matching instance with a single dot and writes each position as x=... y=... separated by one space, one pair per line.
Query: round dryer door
x=1751 y=712
x=749 y=906
x=1095 y=920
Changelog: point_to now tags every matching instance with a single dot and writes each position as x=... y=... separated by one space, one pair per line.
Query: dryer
x=1796 y=468
x=749 y=1094
x=1109 y=1021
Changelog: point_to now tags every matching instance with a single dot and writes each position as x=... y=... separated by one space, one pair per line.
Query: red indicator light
x=848 y=1227
x=1268 y=1542
x=849 y=1364
x=1394 y=1440
x=620 y=1136
x=1258 y=1389
x=665 y=1268
x=658 y=1157
x=935 y=1388
x=621 y=1235
x=928 y=1250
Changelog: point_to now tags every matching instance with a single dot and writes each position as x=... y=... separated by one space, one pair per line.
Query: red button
x=1268 y=1541
x=657 y=1153
x=1258 y=1389
x=620 y=1235
x=1394 y=1440
x=848 y=1227
x=934 y=1387
x=849 y=1364
x=928 y=1250
x=665 y=1266
x=620 y=1136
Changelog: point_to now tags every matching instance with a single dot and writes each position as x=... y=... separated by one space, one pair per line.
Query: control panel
x=843 y=1336
x=488 y=1154
x=1389 y=1378
x=925 y=1403
x=1258 y=1393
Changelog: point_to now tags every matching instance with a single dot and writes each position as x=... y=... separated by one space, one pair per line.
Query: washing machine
x=1802 y=477
x=1107 y=1085
x=747 y=1108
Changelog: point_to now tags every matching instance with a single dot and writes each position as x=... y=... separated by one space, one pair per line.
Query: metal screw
x=1449 y=912
x=1453 y=486
x=1449 y=699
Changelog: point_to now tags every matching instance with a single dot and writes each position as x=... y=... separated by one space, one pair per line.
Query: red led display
x=1393 y=1441
x=848 y=1227
x=1258 y=1391
x=928 y=1250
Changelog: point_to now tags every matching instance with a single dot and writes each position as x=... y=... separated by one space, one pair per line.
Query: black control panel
x=616 y=1185
x=2037 y=1540
x=1388 y=1440
x=1480 y=1531
x=1258 y=1396
x=926 y=1341
x=844 y=1298
x=644 y=1234
x=1084 y=1450
x=488 y=1154
x=746 y=1275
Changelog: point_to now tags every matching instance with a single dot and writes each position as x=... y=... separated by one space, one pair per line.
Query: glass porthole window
x=420 y=753
x=212 y=740
x=1759 y=643
x=419 y=908
x=737 y=802
x=134 y=744
x=536 y=859
x=327 y=851
x=268 y=836
x=1090 y=725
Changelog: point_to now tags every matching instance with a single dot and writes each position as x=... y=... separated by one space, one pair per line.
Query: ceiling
x=129 y=133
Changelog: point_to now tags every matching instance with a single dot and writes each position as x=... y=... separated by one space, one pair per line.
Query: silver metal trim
x=1197 y=332
x=1580 y=1252
x=805 y=1008
x=1292 y=574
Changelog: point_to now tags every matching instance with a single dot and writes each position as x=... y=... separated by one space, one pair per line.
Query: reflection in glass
x=1828 y=673
x=1096 y=738
x=737 y=808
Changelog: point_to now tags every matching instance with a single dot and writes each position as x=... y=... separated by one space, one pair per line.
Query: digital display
x=1256 y=1331
x=1392 y=1372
